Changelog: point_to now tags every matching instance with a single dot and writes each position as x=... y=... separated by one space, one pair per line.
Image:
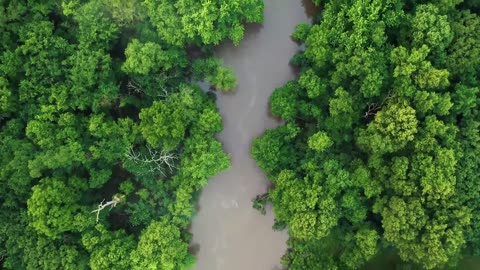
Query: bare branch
x=116 y=200
x=157 y=161
x=135 y=87
x=3 y=253
x=387 y=99
x=373 y=108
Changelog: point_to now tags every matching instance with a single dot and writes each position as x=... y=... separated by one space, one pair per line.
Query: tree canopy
x=377 y=153
x=105 y=136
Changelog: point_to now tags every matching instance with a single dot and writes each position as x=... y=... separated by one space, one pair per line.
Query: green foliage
x=109 y=249
x=211 y=69
x=319 y=141
x=424 y=240
x=224 y=79
x=125 y=12
x=301 y=32
x=28 y=250
x=464 y=59
x=161 y=247
x=312 y=83
x=126 y=187
x=309 y=214
x=202 y=158
x=98 y=111
x=273 y=150
x=165 y=122
x=150 y=58
x=183 y=21
x=391 y=130
x=431 y=28
x=377 y=154
x=54 y=206
x=283 y=102
x=260 y=202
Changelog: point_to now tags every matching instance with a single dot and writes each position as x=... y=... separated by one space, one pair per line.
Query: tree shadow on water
x=194 y=248
x=310 y=8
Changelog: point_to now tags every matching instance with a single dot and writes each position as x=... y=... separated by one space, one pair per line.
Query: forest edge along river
x=227 y=232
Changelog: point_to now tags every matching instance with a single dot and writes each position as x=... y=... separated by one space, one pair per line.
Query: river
x=228 y=234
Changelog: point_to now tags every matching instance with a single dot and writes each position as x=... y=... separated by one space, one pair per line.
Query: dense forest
x=106 y=139
x=380 y=148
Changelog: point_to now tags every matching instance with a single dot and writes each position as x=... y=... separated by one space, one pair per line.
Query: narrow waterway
x=227 y=233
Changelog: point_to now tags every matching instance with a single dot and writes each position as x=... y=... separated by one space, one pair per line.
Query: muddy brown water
x=228 y=234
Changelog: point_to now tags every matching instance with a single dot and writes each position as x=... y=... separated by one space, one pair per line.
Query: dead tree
x=373 y=108
x=116 y=200
x=156 y=161
x=135 y=87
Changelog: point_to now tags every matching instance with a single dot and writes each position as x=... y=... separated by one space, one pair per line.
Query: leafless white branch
x=372 y=109
x=155 y=160
x=116 y=200
x=134 y=87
